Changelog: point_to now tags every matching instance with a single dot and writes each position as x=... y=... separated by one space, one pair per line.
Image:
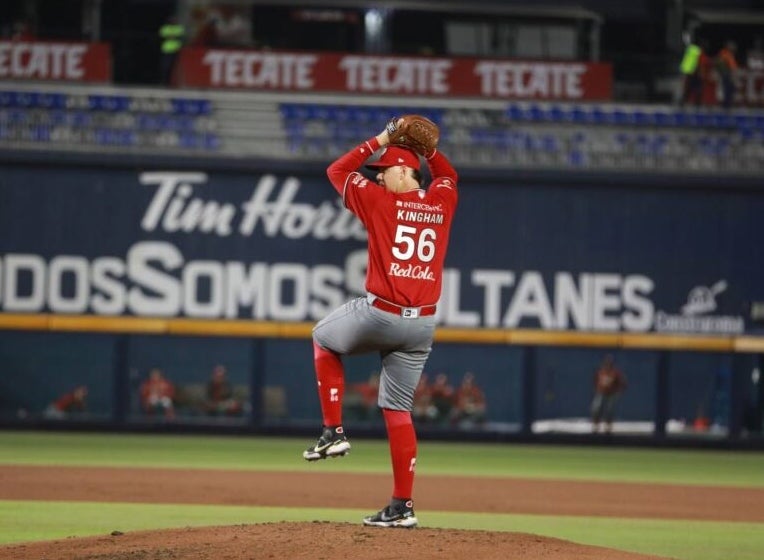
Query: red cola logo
x=417 y=272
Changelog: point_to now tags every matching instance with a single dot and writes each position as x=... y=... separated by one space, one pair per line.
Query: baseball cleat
x=332 y=443
x=400 y=513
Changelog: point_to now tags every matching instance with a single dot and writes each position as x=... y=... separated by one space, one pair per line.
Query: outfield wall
x=108 y=271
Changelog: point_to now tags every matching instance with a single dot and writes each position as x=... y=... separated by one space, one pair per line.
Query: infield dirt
x=319 y=540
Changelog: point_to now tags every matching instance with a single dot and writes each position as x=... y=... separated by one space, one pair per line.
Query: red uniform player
x=408 y=229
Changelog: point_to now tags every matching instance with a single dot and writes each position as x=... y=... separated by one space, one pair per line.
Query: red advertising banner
x=750 y=88
x=395 y=75
x=43 y=60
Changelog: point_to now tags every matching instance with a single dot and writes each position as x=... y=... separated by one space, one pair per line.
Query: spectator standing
x=158 y=394
x=234 y=26
x=205 y=28
x=609 y=383
x=220 y=399
x=695 y=68
x=171 y=35
x=726 y=69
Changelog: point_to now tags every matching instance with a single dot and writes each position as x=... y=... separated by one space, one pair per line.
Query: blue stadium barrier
x=288 y=111
x=196 y=107
x=600 y=117
x=558 y=114
x=515 y=112
x=25 y=99
x=7 y=98
x=662 y=118
x=580 y=115
x=622 y=117
x=51 y=101
x=108 y=103
x=535 y=113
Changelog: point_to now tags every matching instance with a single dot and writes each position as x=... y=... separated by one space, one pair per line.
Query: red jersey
x=408 y=232
x=70 y=402
x=157 y=388
x=609 y=380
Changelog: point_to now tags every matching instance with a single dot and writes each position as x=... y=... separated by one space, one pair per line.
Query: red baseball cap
x=396 y=155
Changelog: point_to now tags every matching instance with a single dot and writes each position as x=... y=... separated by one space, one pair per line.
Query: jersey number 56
x=408 y=240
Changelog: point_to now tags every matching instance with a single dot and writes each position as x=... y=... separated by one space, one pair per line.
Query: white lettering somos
x=42 y=60
x=155 y=279
x=416 y=272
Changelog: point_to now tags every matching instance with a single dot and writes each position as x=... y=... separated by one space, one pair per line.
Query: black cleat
x=332 y=443
x=400 y=513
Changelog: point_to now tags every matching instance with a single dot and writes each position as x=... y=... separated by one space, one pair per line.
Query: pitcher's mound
x=312 y=541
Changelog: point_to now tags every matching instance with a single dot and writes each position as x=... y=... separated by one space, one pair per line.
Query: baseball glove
x=414 y=131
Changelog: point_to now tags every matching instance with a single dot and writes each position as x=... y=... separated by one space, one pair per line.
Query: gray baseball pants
x=403 y=345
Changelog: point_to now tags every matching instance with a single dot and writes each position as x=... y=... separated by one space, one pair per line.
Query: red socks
x=402 y=438
x=400 y=429
x=331 y=384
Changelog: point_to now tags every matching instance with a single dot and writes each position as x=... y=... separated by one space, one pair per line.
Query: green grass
x=722 y=468
x=686 y=540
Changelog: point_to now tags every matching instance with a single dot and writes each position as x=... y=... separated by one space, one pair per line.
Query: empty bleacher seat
x=535 y=113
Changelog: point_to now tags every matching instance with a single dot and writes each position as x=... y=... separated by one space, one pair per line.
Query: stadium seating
x=106 y=121
x=482 y=134
x=528 y=134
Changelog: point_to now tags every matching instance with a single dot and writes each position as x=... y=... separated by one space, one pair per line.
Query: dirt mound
x=312 y=541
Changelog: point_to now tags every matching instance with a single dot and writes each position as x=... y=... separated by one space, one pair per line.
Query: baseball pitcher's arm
x=383 y=138
x=440 y=167
x=346 y=165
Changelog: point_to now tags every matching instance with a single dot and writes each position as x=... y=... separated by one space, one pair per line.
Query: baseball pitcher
x=408 y=229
